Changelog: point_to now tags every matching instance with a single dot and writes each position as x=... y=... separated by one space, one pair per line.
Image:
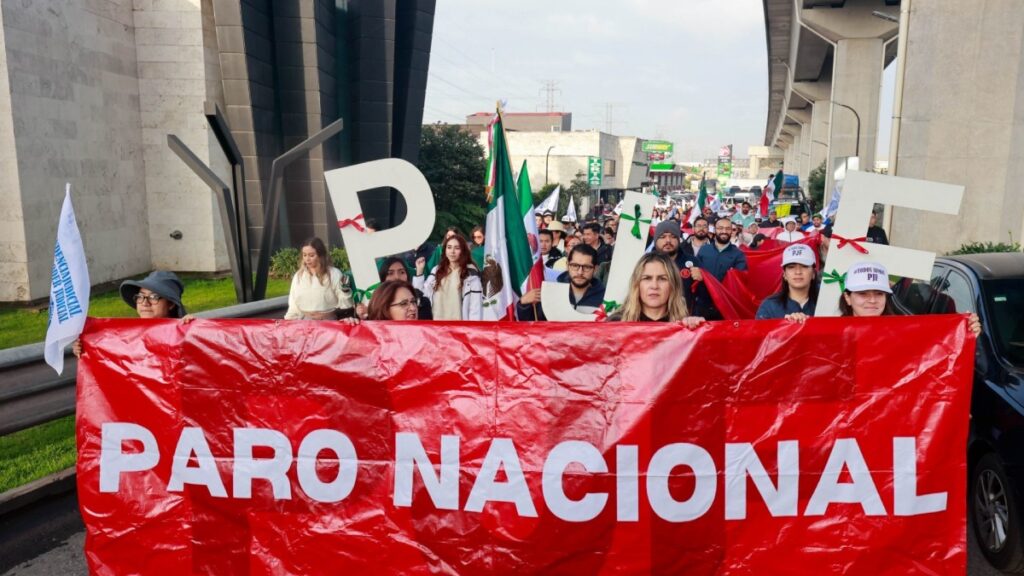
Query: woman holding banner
x=156 y=296
x=867 y=293
x=318 y=289
x=655 y=294
x=394 y=268
x=797 y=298
x=453 y=286
x=394 y=300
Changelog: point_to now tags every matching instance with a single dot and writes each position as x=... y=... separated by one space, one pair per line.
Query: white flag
x=570 y=212
x=550 y=204
x=69 y=287
x=833 y=205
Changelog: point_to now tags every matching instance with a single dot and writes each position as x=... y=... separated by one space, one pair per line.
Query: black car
x=991 y=285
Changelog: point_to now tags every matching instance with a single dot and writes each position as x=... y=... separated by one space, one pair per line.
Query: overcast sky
x=693 y=72
x=690 y=71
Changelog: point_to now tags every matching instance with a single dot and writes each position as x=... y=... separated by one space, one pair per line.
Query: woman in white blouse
x=318 y=289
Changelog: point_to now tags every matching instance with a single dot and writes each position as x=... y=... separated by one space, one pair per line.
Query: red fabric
x=649 y=390
x=740 y=293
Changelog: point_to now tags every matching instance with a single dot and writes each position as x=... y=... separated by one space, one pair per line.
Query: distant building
x=561 y=157
x=524 y=121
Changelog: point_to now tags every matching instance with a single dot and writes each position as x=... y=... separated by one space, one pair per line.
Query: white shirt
x=307 y=294
x=793 y=236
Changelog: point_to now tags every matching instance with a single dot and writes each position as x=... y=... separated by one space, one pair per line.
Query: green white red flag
x=525 y=194
x=769 y=192
x=507 y=255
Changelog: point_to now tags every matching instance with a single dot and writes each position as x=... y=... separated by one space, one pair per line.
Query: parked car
x=992 y=286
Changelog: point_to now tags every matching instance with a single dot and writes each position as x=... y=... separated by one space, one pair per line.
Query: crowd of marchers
x=443 y=282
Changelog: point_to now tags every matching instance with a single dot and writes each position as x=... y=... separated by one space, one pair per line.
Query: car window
x=916 y=295
x=955 y=295
x=1005 y=302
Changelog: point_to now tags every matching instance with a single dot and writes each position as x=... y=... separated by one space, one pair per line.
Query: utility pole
x=609 y=116
x=550 y=87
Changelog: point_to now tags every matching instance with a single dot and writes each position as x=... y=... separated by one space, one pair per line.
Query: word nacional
x=266 y=455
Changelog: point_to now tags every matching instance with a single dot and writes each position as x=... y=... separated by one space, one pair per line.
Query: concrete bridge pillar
x=819 y=94
x=859 y=38
x=963 y=121
x=803 y=118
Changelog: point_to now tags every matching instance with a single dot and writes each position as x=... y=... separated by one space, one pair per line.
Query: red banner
x=740 y=293
x=229 y=447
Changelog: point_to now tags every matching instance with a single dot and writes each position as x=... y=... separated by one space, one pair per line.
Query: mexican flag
x=525 y=194
x=697 y=208
x=768 y=194
x=507 y=255
x=702 y=194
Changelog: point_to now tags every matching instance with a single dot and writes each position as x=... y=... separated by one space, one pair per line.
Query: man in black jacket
x=592 y=238
x=586 y=293
x=876 y=233
x=548 y=252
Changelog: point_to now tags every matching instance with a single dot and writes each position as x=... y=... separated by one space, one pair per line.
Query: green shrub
x=339 y=259
x=985 y=248
x=285 y=262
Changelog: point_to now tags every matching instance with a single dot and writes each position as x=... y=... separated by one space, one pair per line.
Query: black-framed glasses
x=583 y=267
x=407 y=303
x=152 y=298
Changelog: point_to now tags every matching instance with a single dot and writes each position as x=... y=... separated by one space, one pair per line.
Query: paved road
x=67 y=559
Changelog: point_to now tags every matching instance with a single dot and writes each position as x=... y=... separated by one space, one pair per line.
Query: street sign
x=595 y=171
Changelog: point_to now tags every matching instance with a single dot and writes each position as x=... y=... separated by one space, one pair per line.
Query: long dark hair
x=383 y=297
x=444 y=266
x=323 y=262
x=783 y=294
x=846 y=310
x=388 y=263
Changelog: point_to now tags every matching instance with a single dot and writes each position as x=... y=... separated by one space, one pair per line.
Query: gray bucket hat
x=160 y=282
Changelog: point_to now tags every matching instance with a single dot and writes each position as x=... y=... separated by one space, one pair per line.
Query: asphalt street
x=66 y=558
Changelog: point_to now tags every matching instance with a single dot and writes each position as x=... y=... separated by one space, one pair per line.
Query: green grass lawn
x=48 y=448
x=36 y=452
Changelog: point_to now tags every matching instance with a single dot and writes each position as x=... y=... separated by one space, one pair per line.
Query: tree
x=577 y=191
x=542 y=194
x=816 y=186
x=453 y=163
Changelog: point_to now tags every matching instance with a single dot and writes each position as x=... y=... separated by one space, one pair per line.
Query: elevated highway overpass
x=958 y=113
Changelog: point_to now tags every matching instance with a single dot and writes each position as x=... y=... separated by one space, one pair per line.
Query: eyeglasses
x=408 y=303
x=152 y=298
x=583 y=267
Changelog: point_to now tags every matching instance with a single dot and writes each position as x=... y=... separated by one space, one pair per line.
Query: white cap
x=798 y=254
x=788 y=219
x=864 y=276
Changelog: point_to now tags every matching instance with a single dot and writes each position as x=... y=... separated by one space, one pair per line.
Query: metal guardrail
x=31 y=393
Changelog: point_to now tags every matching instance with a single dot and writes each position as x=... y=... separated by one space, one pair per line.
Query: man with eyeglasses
x=699 y=238
x=716 y=258
x=586 y=293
